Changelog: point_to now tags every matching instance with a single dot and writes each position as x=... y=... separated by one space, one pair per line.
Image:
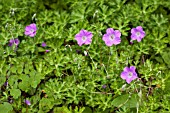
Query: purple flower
x=30 y=30
x=47 y=51
x=14 y=41
x=137 y=33
x=104 y=86
x=84 y=37
x=6 y=84
x=43 y=44
x=112 y=37
x=129 y=74
x=28 y=102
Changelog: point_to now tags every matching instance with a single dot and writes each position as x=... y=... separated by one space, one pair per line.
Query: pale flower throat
x=130 y=74
x=84 y=38
x=138 y=33
x=112 y=37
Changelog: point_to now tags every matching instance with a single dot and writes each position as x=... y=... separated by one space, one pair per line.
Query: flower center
x=84 y=38
x=130 y=74
x=16 y=42
x=112 y=37
x=32 y=30
x=138 y=33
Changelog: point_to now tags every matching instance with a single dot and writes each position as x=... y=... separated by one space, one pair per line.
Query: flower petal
x=134 y=77
x=139 y=39
x=133 y=37
x=126 y=69
x=33 y=26
x=27 y=33
x=142 y=34
x=110 y=31
x=124 y=75
x=86 y=33
x=88 y=41
x=43 y=44
x=117 y=40
x=109 y=43
x=133 y=68
x=16 y=41
x=105 y=37
x=128 y=81
x=83 y=32
x=28 y=28
x=78 y=36
x=89 y=35
x=133 y=30
x=32 y=35
x=28 y=102
x=117 y=33
x=139 y=28
x=47 y=51
x=79 y=41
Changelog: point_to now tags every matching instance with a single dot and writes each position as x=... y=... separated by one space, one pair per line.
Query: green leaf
x=5 y=107
x=20 y=69
x=166 y=56
x=35 y=83
x=15 y=93
x=25 y=84
x=46 y=104
x=36 y=79
x=13 y=81
x=62 y=109
x=87 y=110
x=125 y=101
x=40 y=49
x=2 y=80
x=13 y=69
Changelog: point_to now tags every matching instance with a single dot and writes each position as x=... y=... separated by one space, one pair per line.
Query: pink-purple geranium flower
x=137 y=33
x=112 y=37
x=27 y=102
x=84 y=37
x=47 y=51
x=104 y=86
x=30 y=30
x=14 y=42
x=129 y=74
x=43 y=44
x=6 y=83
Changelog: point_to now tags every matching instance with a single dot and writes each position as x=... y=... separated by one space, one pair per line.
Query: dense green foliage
x=65 y=80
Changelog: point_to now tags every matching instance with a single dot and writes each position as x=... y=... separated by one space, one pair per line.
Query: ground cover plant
x=89 y=56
